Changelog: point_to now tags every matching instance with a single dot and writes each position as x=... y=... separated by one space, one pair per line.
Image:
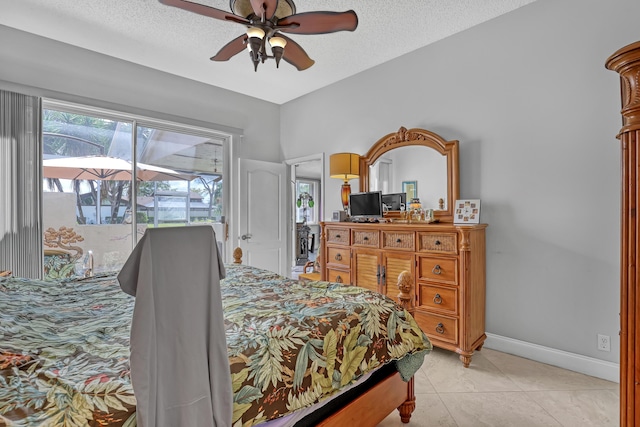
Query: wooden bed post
x=405 y=285
x=323 y=245
x=626 y=62
x=237 y=255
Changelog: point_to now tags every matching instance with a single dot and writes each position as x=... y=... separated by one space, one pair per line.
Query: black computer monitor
x=366 y=205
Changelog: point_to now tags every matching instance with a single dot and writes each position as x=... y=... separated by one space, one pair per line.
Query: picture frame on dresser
x=467 y=212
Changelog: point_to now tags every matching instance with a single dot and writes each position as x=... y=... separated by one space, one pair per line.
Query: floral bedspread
x=301 y=342
x=64 y=353
x=64 y=346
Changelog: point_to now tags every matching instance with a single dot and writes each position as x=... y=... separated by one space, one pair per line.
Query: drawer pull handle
x=440 y=328
x=338 y=257
x=365 y=238
x=437 y=299
x=398 y=240
x=338 y=279
x=337 y=236
x=436 y=269
x=438 y=243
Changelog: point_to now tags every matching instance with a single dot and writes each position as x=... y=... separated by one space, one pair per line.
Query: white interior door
x=263 y=215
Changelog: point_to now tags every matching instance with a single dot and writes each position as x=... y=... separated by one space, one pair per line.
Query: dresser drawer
x=338 y=276
x=438 y=298
x=438 y=242
x=401 y=240
x=340 y=256
x=365 y=238
x=338 y=235
x=443 y=270
x=438 y=327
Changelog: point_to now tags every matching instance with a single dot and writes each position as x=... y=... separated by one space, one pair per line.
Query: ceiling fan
x=266 y=20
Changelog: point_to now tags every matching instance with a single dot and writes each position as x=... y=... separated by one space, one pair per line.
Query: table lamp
x=344 y=166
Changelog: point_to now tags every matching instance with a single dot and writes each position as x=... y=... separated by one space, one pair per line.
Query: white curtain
x=20 y=185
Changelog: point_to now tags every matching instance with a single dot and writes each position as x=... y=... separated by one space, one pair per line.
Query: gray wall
x=536 y=114
x=39 y=66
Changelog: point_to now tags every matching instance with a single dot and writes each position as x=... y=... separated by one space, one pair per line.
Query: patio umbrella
x=107 y=168
x=101 y=168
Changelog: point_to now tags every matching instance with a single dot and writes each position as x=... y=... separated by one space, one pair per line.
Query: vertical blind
x=20 y=185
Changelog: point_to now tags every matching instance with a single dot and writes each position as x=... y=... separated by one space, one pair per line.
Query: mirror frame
x=418 y=137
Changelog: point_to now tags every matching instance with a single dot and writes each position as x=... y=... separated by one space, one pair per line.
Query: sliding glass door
x=195 y=196
x=87 y=190
x=99 y=198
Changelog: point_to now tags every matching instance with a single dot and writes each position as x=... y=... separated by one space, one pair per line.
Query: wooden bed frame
x=377 y=403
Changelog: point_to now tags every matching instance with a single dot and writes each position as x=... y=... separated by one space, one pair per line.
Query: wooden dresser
x=446 y=263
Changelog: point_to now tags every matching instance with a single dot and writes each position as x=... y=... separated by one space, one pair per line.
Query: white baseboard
x=574 y=362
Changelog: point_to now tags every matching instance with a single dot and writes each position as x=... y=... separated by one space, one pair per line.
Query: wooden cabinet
x=379 y=270
x=446 y=263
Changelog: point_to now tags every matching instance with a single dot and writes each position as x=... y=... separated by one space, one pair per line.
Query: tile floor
x=499 y=389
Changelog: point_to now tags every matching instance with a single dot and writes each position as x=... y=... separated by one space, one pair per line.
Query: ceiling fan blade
x=319 y=22
x=295 y=55
x=269 y=7
x=201 y=9
x=231 y=49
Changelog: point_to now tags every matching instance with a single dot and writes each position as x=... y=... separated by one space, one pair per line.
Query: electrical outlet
x=604 y=342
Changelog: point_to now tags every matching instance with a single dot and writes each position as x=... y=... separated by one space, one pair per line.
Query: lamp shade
x=277 y=42
x=344 y=166
x=255 y=32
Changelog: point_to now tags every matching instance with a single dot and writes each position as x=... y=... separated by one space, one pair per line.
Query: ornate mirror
x=417 y=162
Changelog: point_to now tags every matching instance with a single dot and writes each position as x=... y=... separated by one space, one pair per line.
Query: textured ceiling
x=149 y=33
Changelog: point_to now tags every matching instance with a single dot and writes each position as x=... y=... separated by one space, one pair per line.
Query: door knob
x=246 y=236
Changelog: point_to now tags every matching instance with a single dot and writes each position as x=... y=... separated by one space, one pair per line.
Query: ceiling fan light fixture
x=277 y=47
x=255 y=45
x=255 y=32
x=277 y=42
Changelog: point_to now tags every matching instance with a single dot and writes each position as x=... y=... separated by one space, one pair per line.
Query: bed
x=64 y=351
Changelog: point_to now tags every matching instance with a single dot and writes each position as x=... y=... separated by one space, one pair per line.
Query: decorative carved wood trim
x=409 y=137
x=409 y=405
x=465 y=244
x=626 y=62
